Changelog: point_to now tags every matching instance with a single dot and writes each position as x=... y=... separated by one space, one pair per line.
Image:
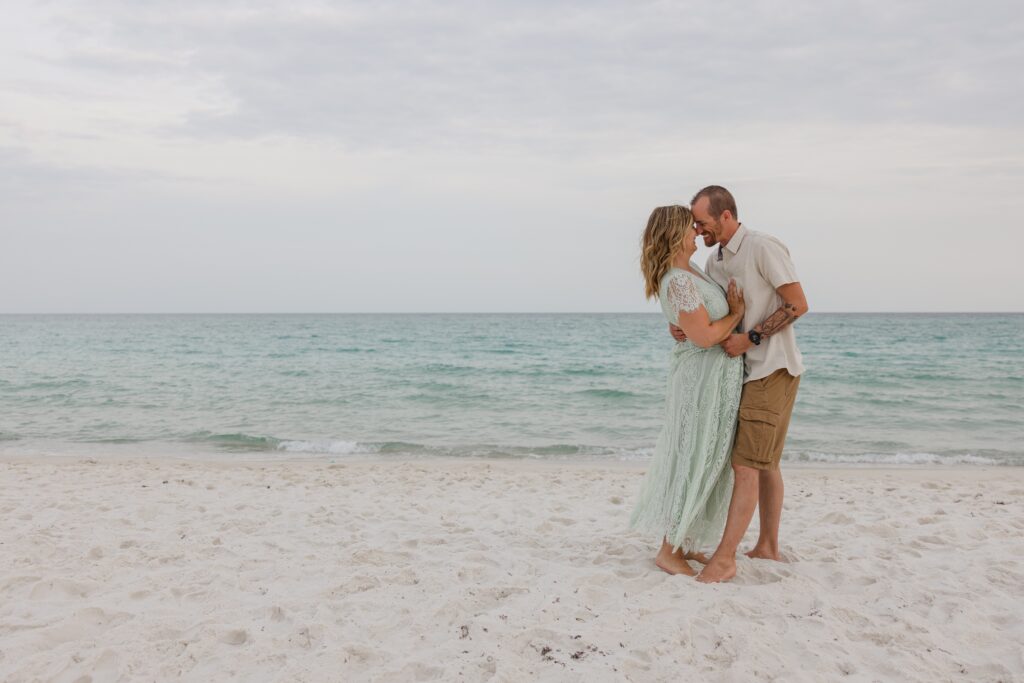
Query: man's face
x=707 y=227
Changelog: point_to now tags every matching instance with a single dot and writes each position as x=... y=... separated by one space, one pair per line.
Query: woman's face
x=690 y=240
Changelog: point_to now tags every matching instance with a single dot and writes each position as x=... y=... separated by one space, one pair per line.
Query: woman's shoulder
x=675 y=274
x=675 y=271
x=679 y=275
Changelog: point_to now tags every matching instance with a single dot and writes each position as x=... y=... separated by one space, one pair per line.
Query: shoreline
x=445 y=460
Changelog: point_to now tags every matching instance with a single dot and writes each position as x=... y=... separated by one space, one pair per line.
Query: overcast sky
x=474 y=156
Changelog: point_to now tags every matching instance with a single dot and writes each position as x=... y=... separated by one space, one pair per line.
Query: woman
x=685 y=494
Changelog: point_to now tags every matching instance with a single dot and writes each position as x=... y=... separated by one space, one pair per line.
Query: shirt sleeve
x=774 y=263
x=683 y=294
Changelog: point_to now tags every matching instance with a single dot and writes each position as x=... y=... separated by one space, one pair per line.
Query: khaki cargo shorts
x=765 y=409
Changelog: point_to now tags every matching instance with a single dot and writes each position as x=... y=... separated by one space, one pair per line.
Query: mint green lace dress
x=685 y=493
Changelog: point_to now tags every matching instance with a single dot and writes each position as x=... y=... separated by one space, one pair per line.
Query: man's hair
x=719 y=200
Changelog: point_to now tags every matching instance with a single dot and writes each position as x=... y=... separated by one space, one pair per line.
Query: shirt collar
x=734 y=243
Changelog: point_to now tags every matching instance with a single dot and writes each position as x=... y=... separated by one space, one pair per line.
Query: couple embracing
x=732 y=383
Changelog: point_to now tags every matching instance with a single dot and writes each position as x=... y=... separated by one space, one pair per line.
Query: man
x=774 y=298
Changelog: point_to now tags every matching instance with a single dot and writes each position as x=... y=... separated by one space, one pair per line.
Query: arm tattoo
x=785 y=315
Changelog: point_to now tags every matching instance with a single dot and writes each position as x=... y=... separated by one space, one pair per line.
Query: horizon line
x=477 y=313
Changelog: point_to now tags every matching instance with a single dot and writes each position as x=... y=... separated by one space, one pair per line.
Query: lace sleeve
x=683 y=294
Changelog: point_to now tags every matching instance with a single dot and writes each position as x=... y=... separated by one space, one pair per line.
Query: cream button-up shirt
x=760 y=264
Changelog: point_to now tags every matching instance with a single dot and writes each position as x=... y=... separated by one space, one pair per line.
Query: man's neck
x=729 y=233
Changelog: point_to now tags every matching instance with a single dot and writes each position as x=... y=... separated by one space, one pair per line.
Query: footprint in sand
x=357 y=584
x=236 y=636
x=60 y=588
x=837 y=518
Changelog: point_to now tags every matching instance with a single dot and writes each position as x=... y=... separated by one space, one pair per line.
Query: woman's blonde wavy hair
x=662 y=240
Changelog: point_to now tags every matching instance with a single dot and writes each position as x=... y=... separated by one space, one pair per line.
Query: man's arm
x=794 y=305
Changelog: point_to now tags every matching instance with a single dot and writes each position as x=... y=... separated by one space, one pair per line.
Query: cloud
x=554 y=76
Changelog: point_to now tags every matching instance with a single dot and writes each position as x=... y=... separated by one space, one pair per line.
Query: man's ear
x=726 y=215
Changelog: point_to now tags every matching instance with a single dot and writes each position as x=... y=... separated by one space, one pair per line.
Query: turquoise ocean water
x=892 y=388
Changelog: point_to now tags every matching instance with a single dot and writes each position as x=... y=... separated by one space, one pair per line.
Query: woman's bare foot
x=672 y=561
x=696 y=557
x=718 y=570
x=673 y=564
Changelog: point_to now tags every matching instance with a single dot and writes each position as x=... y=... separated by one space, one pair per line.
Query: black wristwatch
x=755 y=337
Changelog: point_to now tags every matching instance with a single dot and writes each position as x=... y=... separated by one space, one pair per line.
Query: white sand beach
x=510 y=570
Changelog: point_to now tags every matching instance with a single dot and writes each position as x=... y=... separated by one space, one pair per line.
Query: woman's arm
x=699 y=328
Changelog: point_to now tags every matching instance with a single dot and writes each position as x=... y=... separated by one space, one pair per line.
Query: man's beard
x=713 y=234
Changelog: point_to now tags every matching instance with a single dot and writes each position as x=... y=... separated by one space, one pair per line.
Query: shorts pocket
x=764 y=393
x=755 y=436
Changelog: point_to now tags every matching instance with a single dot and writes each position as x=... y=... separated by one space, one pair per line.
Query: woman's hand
x=737 y=306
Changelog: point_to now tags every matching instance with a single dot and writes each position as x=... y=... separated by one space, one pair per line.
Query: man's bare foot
x=673 y=564
x=759 y=553
x=718 y=570
x=697 y=557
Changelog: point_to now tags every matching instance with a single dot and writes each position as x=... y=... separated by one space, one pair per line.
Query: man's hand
x=736 y=344
x=677 y=332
